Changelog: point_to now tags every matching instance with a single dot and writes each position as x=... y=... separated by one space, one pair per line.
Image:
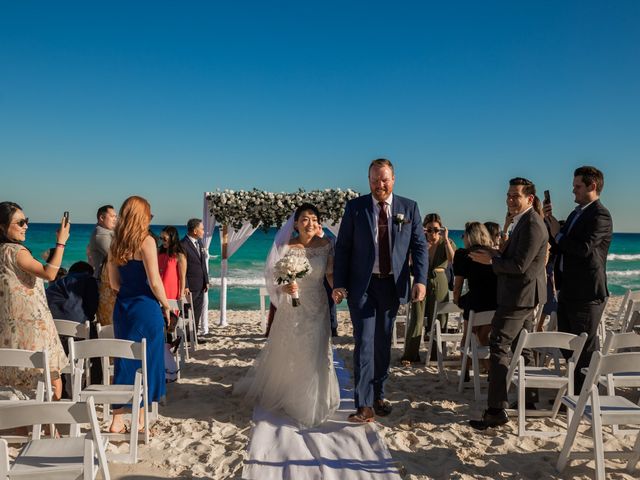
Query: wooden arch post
x=224 y=265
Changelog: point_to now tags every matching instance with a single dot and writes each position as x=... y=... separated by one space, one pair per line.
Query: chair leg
x=439 y=351
x=631 y=464
x=598 y=445
x=476 y=370
x=572 y=430
x=557 y=402
x=394 y=335
x=521 y=404
x=87 y=470
x=463 y=369
x=4 y=459
x=430 y=343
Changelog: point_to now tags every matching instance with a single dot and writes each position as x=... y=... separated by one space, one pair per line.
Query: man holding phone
x=581 y=246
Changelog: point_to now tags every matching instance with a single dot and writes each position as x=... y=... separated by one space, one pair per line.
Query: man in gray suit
x=520 y=269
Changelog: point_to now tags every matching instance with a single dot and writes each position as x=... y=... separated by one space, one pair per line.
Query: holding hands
x=339 y=294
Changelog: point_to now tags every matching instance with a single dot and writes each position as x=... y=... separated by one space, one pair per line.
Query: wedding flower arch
x=268 y=209
x=240 y=213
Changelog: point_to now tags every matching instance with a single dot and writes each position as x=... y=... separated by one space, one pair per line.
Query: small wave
x=625 y=257
x=623 y=273
x=238 y=281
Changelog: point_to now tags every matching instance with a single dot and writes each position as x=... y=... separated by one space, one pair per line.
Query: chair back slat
x=11 y=357
x=563 y=340
x=22 y=414
x=106 y=347
x=105 y=331
x=619 y=341
x=619 y=363
x=72 y=329
x=477 y=319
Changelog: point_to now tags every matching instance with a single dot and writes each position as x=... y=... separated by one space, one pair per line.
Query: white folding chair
x=632 y=316
x=106 y=394
x=529 y=376
x=72 y=329
x=474 y=350
x=181 y=353
x=80 y=331
x=402 y=318
x=602 y=328
x=52 y=458
x=190 y=320
x=105 y=331
x=621 y=318
x=620 y=343
x=439 y=338
x=602 y=410
x=264 y=312
x=16 y=358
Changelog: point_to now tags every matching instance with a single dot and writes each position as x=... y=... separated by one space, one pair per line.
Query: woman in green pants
x=441 y=251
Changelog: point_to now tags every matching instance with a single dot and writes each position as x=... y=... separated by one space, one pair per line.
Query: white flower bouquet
x=288 y=269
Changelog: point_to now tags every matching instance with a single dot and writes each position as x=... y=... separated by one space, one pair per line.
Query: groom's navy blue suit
x=373 y=302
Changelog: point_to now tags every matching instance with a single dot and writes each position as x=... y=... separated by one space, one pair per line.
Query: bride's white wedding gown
x=294 y=373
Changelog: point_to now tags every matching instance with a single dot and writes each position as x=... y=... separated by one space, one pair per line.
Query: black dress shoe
x=382 y=408
x=490 y=420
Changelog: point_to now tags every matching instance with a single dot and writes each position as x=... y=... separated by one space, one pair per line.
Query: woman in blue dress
x=141 y=304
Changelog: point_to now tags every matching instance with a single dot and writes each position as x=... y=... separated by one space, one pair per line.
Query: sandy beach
x=203 y=431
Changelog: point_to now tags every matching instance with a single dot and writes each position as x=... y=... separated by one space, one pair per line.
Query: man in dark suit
x=522 y=285
x=581 y=248
x=197 y=277
x=377 y=234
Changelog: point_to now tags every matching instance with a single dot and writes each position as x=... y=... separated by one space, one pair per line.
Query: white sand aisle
x=336 y=450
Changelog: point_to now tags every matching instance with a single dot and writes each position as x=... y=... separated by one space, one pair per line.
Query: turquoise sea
x=247 y=264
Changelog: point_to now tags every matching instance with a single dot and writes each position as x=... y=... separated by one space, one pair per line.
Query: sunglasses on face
x=432 y=230
x=22 y=222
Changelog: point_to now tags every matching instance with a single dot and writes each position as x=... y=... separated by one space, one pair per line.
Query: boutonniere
x=399 y=220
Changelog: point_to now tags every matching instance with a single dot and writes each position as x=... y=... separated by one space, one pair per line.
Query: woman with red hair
x=141 y=301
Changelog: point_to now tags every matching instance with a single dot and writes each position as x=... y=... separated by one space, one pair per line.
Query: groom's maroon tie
x=384 y=255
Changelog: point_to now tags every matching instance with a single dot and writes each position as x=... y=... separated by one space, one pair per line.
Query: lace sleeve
x=329 y=270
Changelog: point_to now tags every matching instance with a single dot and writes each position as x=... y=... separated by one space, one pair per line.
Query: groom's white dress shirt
x=376 y=214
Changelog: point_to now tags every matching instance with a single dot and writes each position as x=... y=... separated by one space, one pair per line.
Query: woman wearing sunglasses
x=441 y=251
x=25 y=320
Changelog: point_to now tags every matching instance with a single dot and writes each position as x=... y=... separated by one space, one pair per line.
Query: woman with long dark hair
x=172 y=263
x=441 y=251
x=141 y=300
x=25 y=320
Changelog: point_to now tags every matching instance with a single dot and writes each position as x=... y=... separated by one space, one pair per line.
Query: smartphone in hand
x=65 y=217
x=547 y=197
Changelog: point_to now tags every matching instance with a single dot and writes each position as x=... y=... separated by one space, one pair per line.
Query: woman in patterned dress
x=25 y=320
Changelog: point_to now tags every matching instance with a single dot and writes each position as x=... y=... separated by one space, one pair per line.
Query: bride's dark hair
x=306 y=207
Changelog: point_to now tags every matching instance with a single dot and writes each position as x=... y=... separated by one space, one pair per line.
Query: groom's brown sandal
x=363 y=415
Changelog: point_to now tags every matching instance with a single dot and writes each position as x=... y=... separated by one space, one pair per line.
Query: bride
x=294 y=372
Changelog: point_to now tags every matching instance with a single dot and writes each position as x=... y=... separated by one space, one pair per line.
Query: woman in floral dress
x=25 y=320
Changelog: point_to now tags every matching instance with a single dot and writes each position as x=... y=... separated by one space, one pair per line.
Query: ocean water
x=247 y=264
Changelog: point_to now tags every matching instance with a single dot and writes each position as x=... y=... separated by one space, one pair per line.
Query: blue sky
x=101 y=100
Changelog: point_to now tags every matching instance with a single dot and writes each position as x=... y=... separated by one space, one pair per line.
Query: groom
x=377 y=234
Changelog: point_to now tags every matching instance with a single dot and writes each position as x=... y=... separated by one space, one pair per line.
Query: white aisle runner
x=335 y=450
